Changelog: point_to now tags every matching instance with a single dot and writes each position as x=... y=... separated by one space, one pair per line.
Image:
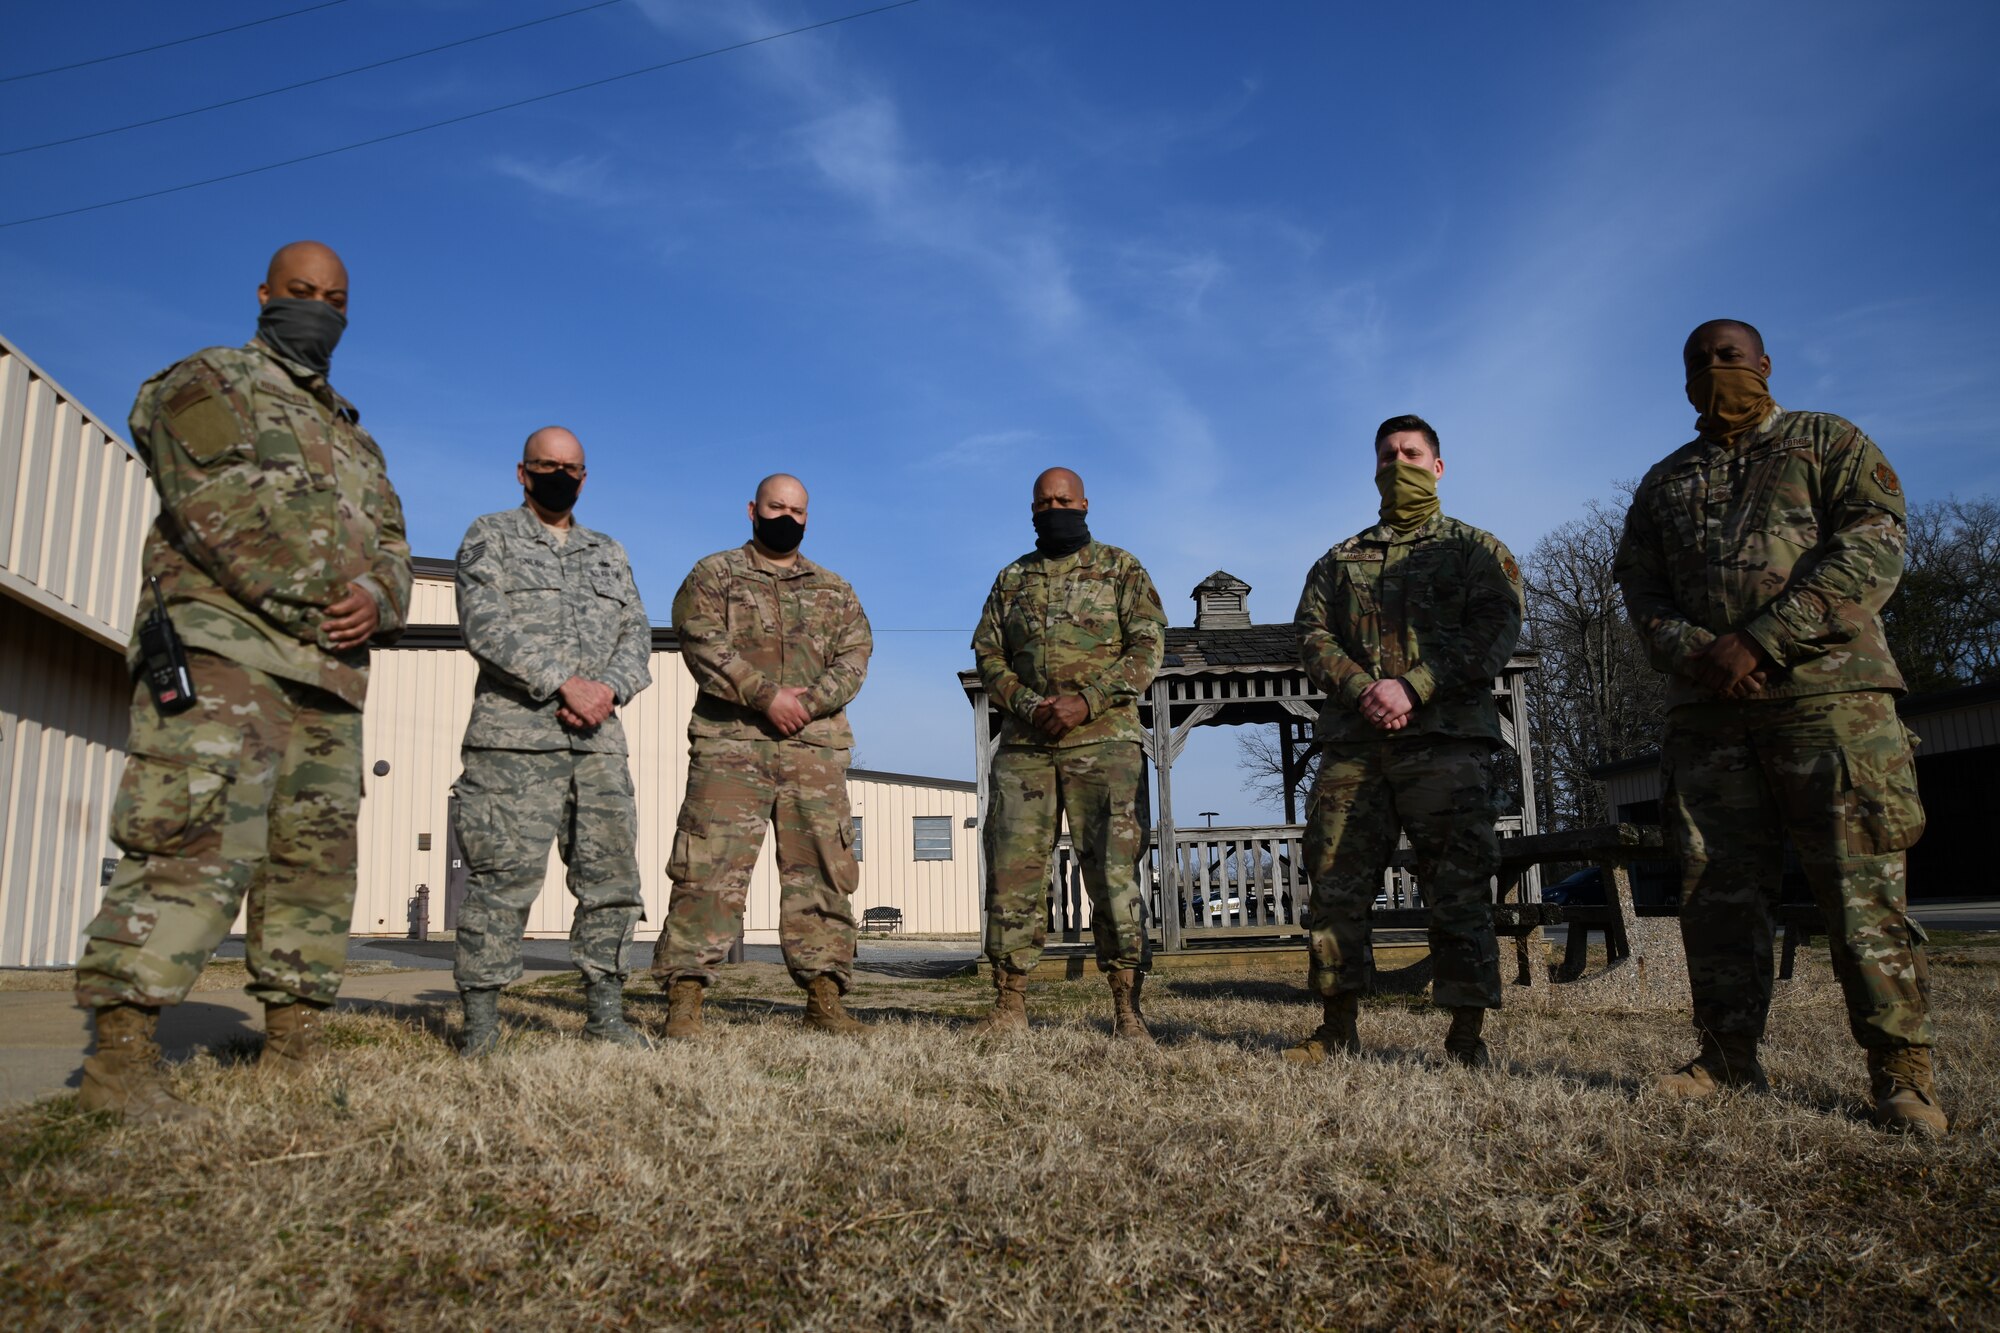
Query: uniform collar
x=1388 y=536
x=797 y=569
x=579 y=535
x=1085 y=554
x=306 y=378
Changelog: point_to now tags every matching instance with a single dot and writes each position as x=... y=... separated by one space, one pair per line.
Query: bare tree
x=1260 y=756
x=1944 y=619
x=1595 y=698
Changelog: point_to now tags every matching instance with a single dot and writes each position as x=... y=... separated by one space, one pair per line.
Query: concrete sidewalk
x=43 y=1036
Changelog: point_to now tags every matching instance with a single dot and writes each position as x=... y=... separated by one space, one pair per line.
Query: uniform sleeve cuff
x=1421 y=682
x=1770 y=636
x=1353 y=688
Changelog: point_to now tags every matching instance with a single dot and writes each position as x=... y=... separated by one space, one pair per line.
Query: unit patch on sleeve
x=1885 y=477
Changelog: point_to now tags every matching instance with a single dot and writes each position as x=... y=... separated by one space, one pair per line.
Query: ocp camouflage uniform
x=748 y=628
x=1439 y=607
x=1794 y=537
x=1089 y=624
x=273 y=500
x=536 y=612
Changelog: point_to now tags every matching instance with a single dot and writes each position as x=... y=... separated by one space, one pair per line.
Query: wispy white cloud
x=984 y=451
x=578 y=179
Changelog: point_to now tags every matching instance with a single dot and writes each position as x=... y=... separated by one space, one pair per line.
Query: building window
x=933 y=837
x=857 y=837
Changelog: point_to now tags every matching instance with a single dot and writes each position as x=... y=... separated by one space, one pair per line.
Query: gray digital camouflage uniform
x=1440 y=607
x=1794 y=537
x=273 y=500
x=1090 y=624
x=536 y=612
x=749 y=627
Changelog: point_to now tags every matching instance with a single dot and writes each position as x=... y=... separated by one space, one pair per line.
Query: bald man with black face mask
x=278 y=557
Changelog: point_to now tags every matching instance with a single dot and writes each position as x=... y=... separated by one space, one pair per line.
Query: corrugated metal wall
x=1952 y=729
x=433 y=602
x=64 y=702
x=74 y=506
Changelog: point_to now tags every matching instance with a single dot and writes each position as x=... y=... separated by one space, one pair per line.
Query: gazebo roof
x=1250 y=645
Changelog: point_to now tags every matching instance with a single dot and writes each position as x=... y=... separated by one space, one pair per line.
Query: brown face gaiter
x=1731 y=400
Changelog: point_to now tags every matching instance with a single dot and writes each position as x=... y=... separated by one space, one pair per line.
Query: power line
x=307 y=83
x=459 y=120
x=161 y=46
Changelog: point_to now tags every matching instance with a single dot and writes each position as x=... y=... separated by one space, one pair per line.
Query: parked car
x=1653 y=885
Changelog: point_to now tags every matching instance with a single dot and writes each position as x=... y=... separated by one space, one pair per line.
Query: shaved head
x=1748 y=332
x=775 y=485
x=552 y=444
x=1060 y=476
x=305 y=271
x=1725 y=342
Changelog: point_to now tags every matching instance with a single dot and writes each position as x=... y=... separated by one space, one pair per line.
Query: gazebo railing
x=1247 y=880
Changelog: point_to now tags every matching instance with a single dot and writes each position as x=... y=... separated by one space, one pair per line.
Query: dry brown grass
x=766 y=1177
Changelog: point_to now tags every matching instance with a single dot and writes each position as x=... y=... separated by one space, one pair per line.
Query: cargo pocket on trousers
x=176 y=805
x=836 y=858
x=691 y=857
x=1884 y=813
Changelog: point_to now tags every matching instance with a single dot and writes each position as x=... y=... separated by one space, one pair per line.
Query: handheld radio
x=165 y=659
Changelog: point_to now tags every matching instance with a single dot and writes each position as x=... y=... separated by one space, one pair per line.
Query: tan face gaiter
x=1409 y=495
x=1731 y=400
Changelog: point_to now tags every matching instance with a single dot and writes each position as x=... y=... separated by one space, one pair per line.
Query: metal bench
x=887 y=920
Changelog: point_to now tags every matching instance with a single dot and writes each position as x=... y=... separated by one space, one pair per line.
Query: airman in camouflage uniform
x=1405 y=626
x=1072 y=634
x=551 y=613
x=280 y=553
x=1755 y=564
x=778 y=646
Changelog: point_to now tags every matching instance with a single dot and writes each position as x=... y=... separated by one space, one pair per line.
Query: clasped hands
x=1059 y=714
x=351 y=621
x=584 y=703
x=787 y=710
x=1734 y=666
x=1387 y=704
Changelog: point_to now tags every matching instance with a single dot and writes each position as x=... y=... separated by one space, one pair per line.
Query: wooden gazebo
x=1218 y=884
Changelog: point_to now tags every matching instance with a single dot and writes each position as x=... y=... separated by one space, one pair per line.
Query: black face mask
x=780 y=534
x=1060 y=532
x=302 y=331
x=554 y=491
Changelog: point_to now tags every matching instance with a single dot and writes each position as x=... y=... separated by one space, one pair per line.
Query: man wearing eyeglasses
x=549 y=609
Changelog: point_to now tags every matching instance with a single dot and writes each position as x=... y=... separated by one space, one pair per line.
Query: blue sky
x=1194 y=251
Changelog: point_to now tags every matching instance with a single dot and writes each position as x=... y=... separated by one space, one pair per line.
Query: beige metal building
x=75 y=504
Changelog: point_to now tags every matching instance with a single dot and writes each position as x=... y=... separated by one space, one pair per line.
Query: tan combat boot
x=125 y=1077
x=823 y=1011
x=1127 y=1023
x=292 y=1040
x=1905 y=1098
x=1724 y=1062
x=1463 y=1042
x=683 y=1010
x=1010 y=1005
x=1338 y=1032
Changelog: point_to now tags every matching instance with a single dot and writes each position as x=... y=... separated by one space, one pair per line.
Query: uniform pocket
x=173 y=799
x=1884 y=812
x=836 y=858
x=693 y=853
